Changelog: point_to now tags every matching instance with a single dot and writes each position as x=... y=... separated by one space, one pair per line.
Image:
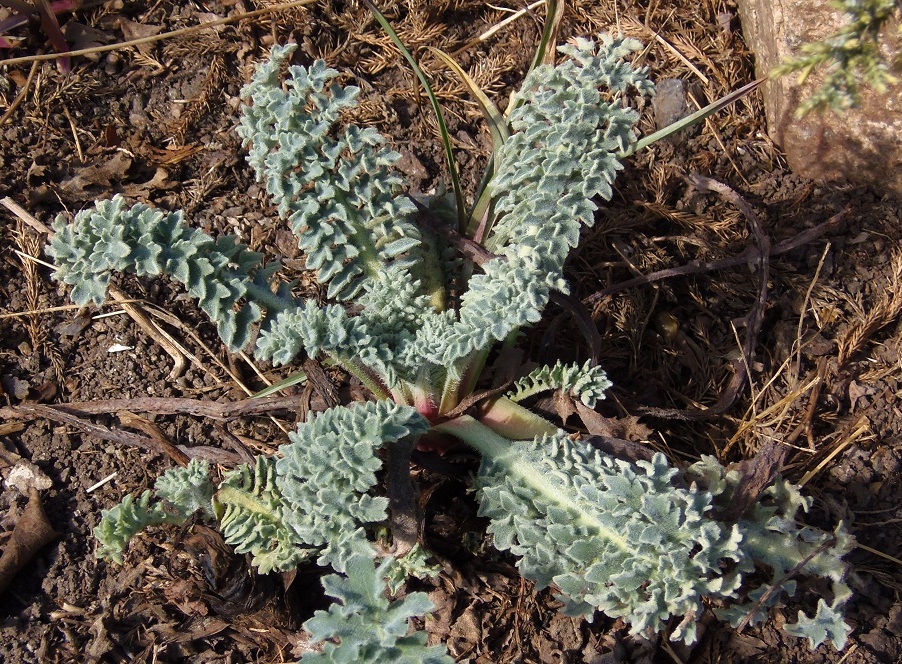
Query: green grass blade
x=690 y=120
x=482 y=209
x=436 y=108
x=544 y=54
x=499 y=132
x=293 y=379
x=545 y=50
x=554 y=12
x=493 y=117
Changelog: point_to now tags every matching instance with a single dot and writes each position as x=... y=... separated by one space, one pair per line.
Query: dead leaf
x=756 y=475
x=186 y=596
x=102 y=175
x=159 y=181
x=15 y=387
x=174 y=154
x=209 y=17
x=603 y=429
x=111 y=137
x=132 y=30
x=857 y=392
x=625 y=428
x=100 y=641
x=31 y=533
x=563 y=405
x=622 y=449
x=81 y=36
x=76 y=326
x=743 y=645
x=44 y=392
x=17 y=77
x=202 y=628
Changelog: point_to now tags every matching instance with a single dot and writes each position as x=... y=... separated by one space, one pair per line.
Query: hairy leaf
x=219 y=273
x=370 y=628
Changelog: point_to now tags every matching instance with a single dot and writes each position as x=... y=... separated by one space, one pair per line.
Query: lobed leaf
x=370 y=628
x=229 y=281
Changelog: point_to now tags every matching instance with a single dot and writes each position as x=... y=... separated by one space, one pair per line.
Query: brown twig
x=320 y=382
x=165 y=35
x=129 y=419
x=473 y=399
x=21 y=96
x=155 y=332
x=782 y=580
x=234 y=442
x=806 y=426
x=755 y=317
x=161 y=406
x=583 y=318
x=748 y=256
x=59 y=414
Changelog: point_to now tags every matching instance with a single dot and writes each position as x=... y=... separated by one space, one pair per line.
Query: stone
x=862 y=145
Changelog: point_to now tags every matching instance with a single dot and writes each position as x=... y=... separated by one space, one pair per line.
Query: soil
x=155 y=123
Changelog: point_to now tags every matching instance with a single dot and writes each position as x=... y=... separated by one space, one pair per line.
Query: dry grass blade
x=860 y=427
x=753 y=320
x=545 y=52
x=884 y=313
x=488 y=34
x=479 y=221
x=675 y=51
x=493 y=117
x=21 y=96
x=296 y=378
x=165 y=35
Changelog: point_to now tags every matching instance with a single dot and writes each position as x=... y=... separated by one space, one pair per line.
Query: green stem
x=265 y=296
x=429 y=270
x=424 y=401
x=229 y=495
x=527 y=473
x=511 y=420
x=471 y=371
x=450 y=394
x=364 y=374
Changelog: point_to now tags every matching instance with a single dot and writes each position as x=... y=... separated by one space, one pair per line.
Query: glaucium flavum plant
x=416 y=321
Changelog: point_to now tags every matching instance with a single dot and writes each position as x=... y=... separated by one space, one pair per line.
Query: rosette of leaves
x=416 y=324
